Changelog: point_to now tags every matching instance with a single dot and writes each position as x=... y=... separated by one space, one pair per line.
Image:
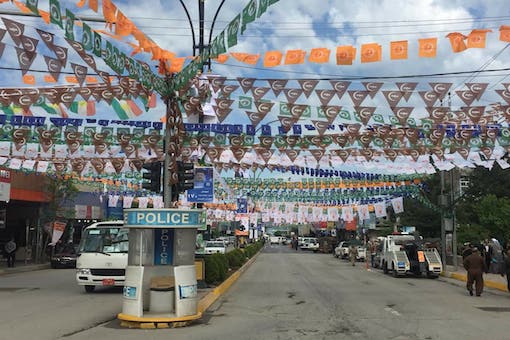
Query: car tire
x=53 y=265
x=384 y=268
x=90 y=289
x=394 y=271
x=431 y=275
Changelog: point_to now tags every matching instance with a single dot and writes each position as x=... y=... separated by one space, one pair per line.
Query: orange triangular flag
x=457 y=41
x=29 y=79
x=247 y=58
x=124 y=26
x=504 y=33
x=476 y=39
x=293 y=57
x=90 y=79
x=319 y=55
x=176 y=64
x=427 y=48
x=398 y=50
x=371 y=53
x=272 y=58
x=222 y=58
x=45 y=16
x=109 y=10
x=93 y=5
x=345 y=55
x=71 y=79
x=49 y=79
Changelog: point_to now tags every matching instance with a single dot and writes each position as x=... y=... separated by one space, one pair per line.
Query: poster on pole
x=58 y=231
x=5 y=185
x=203 y=190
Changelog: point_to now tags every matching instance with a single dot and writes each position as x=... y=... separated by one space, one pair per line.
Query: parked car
x=212 y=247
x=310 y=243
x=65 y=258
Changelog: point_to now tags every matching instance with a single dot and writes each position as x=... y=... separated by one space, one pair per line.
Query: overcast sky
x=305 y=24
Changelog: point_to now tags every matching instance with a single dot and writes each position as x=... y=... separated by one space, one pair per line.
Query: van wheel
x=431 y=275
x=384 y=268
x=90 y=289
x=395 y=273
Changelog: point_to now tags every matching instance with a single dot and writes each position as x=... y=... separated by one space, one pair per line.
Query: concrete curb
x=487 y=283
x=22 y=269
x=211 y=297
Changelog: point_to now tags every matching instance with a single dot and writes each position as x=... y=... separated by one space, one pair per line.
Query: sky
x=304 y=24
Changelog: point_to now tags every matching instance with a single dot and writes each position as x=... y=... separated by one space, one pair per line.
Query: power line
x=356 y=77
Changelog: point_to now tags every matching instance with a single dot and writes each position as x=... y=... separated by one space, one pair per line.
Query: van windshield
x=104 y=240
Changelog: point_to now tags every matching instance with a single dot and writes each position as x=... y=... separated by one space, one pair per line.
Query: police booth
x=161 y=279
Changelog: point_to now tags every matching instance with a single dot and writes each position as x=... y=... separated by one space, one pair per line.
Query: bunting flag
x=371 y=53
x=477 y=38
x=294 y=57
x=232 y=30
x=504 y=33
x=398 y=50
x=427 y=48
x=83 y=108
x=249 y=14
x=345 y=55
x=15 y=30
x=457 y=41
x=319 y=55
x=55 y=13
x=272 y=58
x=69 y=26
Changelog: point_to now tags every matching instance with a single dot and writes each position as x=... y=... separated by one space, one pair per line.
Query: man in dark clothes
x=507 y=268
x=475 y=266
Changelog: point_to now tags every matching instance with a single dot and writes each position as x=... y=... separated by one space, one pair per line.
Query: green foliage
x=59 y=191
x=426 y=221
x=236 y=258
x=471 y=233
x=212 y=270
x=222 y=261
x=494 y=215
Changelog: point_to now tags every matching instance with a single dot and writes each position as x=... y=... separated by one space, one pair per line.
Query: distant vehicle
x=403 y=253
x=342 y=251
x=276 y=239
x=310 y=243
x=102 y=255
x=213 y=247
x=65 y=258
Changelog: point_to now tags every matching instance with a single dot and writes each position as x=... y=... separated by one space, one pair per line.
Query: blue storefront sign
x=164 y=218
x=203 y=190
x=163 y=246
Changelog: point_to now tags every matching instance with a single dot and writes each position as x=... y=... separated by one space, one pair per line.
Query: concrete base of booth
x=156 y=320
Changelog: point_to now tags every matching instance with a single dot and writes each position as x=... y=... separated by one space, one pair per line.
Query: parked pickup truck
x=310 y=243
x=342 y=251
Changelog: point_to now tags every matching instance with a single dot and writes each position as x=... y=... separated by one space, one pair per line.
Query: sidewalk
x=20 y=267
x=495 y=281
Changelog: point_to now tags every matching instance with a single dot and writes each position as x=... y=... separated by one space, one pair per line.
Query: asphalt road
x=285 y=294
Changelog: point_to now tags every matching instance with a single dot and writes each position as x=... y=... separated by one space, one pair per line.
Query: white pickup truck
x=310 y=243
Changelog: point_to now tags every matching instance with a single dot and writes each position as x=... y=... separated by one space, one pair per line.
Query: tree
x=426 y=220
x=59 y=192
x=494 y=215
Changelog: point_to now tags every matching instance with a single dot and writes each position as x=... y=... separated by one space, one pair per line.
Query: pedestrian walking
x=10 y=252
x=475 y=266
x=468 y=250
x=353 y=253
x=506 y=264
x=373 y=249
x=487 y=254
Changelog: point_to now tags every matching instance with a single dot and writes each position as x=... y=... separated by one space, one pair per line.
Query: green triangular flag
x=69 y=29
x=98 y=42
x=55 y=14
x=218 y=45
x=232 y=30
x=263 y=4
x=32 y=5
x=86 y=39
x=249 y=14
